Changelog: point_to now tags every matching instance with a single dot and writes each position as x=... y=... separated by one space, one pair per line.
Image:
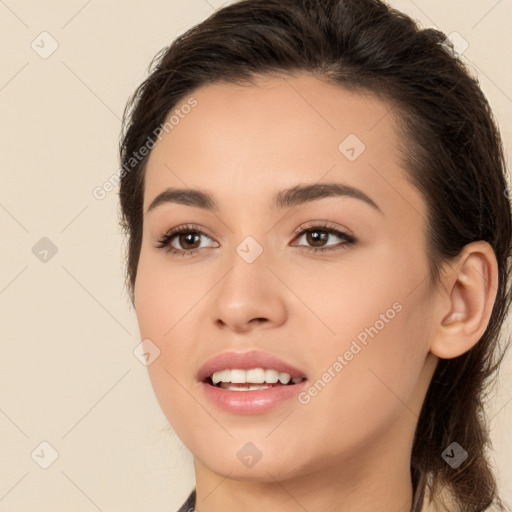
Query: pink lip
x=245 y=361
x=251 y=402
x=248 y=402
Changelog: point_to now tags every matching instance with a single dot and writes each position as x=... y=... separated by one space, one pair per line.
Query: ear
x=466 y=300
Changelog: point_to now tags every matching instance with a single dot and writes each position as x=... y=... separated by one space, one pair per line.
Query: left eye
x=320 y=234
x=190 y=235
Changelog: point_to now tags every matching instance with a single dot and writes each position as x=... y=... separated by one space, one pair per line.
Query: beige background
x=68 y=375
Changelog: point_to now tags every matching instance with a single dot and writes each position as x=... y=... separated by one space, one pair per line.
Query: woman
x=319 y=236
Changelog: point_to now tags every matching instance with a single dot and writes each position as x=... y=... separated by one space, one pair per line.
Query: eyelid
x=325 y=226
x=164 y=241
x=330 y=228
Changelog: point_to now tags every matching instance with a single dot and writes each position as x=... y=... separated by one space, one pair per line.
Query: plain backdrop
x=73 y=396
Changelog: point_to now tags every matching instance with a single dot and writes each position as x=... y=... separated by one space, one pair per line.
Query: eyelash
x=164 y=241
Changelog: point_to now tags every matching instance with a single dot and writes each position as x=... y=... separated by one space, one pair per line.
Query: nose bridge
x=250 y=250
x=249 y=290
x=248 y=269
x=250 y=235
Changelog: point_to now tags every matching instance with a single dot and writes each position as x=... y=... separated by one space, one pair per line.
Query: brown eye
x=316 y=236
x=187 y=238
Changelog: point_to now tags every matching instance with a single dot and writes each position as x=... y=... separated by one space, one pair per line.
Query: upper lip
x=246 y=361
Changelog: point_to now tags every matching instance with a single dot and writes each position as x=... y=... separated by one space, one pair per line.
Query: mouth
x=251 y=382
x=252 y=379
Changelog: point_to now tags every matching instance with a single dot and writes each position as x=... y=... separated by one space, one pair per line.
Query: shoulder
x=189 y=505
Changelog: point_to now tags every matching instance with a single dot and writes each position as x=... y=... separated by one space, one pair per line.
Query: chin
x=242 y=461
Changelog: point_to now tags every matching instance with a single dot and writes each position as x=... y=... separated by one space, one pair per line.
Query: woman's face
x=353 y=321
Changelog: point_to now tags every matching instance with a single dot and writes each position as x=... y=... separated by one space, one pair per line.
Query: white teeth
x=271 y=376
x=238 y=376
x=284 y=378
x=250 y=387
x=253 y=376
x=222 y=376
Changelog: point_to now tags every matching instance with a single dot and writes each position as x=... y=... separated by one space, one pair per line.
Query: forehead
x=245 y=142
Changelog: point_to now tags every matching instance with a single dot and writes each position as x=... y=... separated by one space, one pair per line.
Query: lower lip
x=251 y=402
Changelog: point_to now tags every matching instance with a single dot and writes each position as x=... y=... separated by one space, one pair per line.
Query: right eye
x=184 y=235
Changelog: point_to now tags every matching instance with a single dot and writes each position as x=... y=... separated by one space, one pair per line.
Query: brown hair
x=452 y=151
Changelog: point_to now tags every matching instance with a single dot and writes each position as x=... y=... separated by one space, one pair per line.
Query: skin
x=349 y=448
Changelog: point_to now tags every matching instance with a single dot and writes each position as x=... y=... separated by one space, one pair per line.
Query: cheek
x=369 y=398
x=360 y=300
x=376 y=348
x=163 y=298
x=164 y=303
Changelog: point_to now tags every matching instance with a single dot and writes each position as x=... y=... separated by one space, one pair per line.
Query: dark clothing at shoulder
x=190 y=504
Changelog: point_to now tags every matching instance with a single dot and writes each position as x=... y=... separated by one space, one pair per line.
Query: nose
x=249 y=296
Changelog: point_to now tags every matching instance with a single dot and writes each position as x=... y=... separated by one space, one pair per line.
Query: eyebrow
x=300 y=194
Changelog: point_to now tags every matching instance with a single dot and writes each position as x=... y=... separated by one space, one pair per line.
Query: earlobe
x=471 y=288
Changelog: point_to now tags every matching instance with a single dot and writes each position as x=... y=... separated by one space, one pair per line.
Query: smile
x=251 y=379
